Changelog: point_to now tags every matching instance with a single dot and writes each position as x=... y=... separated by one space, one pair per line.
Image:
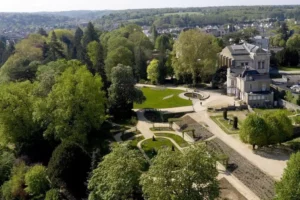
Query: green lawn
x=155 y=99
x=289 y=68
x=136 y=140
x=223 y=124
x=158 y=144
x=268 y=111
x=179 y=140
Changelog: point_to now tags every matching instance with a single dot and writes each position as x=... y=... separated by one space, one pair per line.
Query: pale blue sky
x=62 y=5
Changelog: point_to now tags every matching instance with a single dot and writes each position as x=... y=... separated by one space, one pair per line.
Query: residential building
x=248 y=74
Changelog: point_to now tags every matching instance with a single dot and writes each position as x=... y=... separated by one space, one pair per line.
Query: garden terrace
x=256 y=180
x=200 y=132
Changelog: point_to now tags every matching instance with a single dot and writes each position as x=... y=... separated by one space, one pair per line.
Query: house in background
x=248 y=74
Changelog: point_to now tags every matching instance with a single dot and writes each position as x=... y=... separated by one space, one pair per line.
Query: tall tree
x=191 y=175
x=107 y=181
x=95 y=52
x=153 y=71
x=288 y=187
x=122 y=92
x=79 y=52
x=42 y=32
x=79 y=114
x=120 y=55
x=90 y=35
x=154 y=33
x=254 y=131
x=68 y=160
x=55 y=49
x=195 y=55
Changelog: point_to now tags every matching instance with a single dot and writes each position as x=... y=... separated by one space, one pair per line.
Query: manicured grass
x=269 y=111
x=155 y=98
x=135 y=141
x=223 y=124
x=179 y=140
x=289 y=68
x=158 y=144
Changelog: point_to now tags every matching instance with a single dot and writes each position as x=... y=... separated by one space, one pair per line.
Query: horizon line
x=75 y=10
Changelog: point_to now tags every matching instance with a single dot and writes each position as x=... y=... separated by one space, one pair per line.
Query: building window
x=259 y=65
x=246 y=63
x=264 y=87
x=258 y=97
x=242 y=64
x=263 y=64
x=262 y=97
x=250 y=86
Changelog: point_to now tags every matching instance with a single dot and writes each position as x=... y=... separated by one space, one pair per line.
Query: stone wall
x=288 y=105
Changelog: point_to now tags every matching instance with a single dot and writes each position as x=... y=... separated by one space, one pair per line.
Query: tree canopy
x=288 y=187
x=191 y=175
x=122 y=165
x=195 y=55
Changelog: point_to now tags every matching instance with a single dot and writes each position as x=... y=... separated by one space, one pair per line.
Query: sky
x=65 y=5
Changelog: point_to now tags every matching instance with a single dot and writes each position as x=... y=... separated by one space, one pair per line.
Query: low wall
x=288 y=105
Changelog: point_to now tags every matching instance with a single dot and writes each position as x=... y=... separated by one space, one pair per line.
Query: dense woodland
x=24 y=23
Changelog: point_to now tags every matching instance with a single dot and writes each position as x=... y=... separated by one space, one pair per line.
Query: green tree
x=280 y=127
x=95 y=52
x=195 y=55
x=294 y=42
x=122 y=92
x=53 y=194
x=46 y=74
x=55 y=49
x=7 y=160
x=153 y=71
x=154 y=33
x=289 y=96
x=74 y=107
x=163 y=42
x=107 y=181
x=42 y=32
x=79 y=52
x=287 y=188
x=121 y=55
x=68 y=168
x=14 y=187
x=191 y=175
x=89 y=35
x=36 y=181
x=254 y=131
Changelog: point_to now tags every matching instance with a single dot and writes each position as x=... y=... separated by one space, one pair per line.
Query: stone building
x=248 y=74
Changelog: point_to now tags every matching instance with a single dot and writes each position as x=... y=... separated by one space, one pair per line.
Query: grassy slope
x=158 y=144
x=154 y=99
x=289 y=68
x=179 y=140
